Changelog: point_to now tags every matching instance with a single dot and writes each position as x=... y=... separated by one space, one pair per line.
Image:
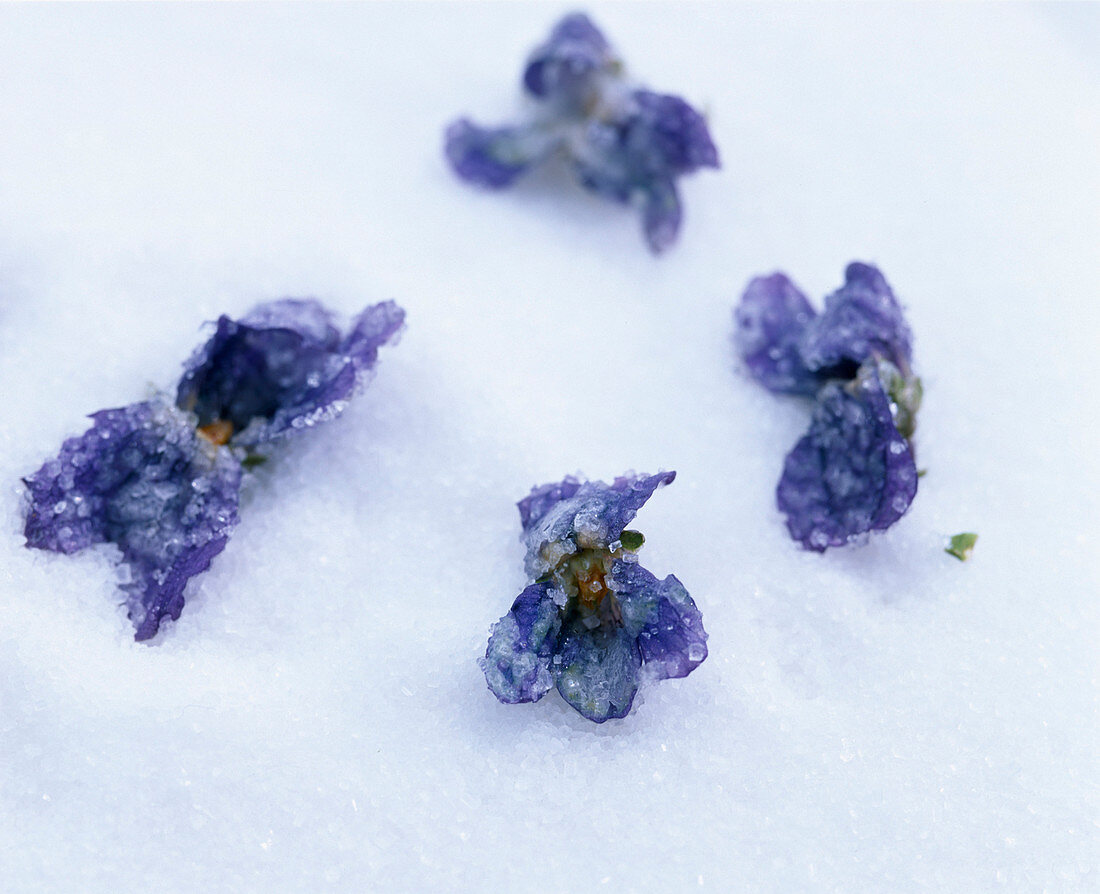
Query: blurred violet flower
x=593 y=622
x=161 y=479
x=622 y=142
x=854 y=470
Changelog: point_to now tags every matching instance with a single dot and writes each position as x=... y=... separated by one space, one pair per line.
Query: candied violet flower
x=622 y=142
x=593 y=622
x=854 y=470
x=161 y=480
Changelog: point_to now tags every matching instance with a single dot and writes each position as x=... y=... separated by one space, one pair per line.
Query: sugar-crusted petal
x=597 y=670
x=379 y=324
x=562 y=67
x=375 y=326
x=559 y=518
x=851 y=473
x=861 y=318
x=668 y=135
x=662 y=214
x=248 y=372
x=156 y=593
x=770 y=322
x=542 y=499
x=517 y=661
x=306 y=316
x=664 y=619
x=494 y=157
x=142 y=479
x=284 y=366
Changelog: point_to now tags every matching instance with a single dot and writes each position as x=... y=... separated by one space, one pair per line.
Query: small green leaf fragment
x=253 y=460
x=961 y=546
x=631 y=540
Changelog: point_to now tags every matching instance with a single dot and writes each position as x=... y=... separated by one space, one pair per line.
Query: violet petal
x=495 y=157
x=561 y=67
x=861 y=318
x=665 y=620
x=851 y=473
x=587 y=514
x=667 y=136
x=770 y=322
x=517 y=661
x=282 y=367
x=140 y=478
x=597 y=670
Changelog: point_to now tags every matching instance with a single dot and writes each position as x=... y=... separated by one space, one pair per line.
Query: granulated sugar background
x=880 y=718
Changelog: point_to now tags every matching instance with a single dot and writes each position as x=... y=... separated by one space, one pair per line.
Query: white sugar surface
x=877 y=719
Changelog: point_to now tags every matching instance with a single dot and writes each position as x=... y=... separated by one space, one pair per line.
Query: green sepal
x=962 y=545
x=252 y=460
x=905 y=396
x=905 y=393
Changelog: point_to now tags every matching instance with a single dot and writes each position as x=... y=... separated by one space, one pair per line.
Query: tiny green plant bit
x=962 y=545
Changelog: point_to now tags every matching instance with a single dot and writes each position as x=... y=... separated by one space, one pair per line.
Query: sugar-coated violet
x=161 y=479
x=622 y=142
x=854 y=470
x=593 y=623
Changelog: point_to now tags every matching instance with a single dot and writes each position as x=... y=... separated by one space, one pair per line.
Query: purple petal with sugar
x=587 y=513
x=283 y=366
x=770 y=323
x=140 y=478
x=517 y=661
x=861 y=318
x=667 y=136
x=596 y=670
x=542 y=499
x=495 y=157
x=851 y=473
x=562 y=67
x=664 y=619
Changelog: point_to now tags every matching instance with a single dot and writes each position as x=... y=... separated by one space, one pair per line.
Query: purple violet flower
x=625 y=143
x=161 y=480
x=593 y=622
x=854 y=470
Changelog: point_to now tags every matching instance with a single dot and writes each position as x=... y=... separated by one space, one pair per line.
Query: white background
x=877 y=718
